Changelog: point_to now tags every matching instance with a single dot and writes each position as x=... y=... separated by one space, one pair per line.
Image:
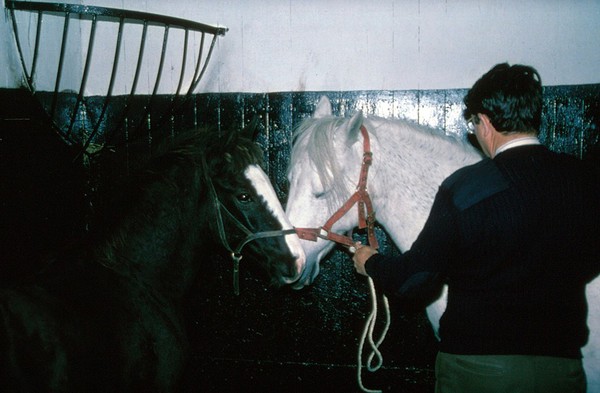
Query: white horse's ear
x=353 y=128
x=323 y=108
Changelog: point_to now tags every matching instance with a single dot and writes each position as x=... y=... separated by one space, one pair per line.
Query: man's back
x=528 y=248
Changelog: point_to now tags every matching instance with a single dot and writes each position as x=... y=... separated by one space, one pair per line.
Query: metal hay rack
x=57 y=73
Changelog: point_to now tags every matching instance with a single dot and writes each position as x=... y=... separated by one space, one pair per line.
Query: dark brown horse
x=108 y=317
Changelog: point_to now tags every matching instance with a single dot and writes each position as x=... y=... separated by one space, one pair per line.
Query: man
x=515 y=238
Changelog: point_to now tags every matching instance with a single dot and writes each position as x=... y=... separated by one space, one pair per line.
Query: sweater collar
x=524 y=141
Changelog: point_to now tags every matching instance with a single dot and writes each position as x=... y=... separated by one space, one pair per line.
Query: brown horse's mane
x=180 y=166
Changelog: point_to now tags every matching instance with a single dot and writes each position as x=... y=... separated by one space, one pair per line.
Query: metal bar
x=110 y=86
x=135 y=78
x=20 y=50
x=193 y=82
x=175 y=98
x=158 y=77
x=36 y=47
x=60 y=65
x=198 y=62
x=113 y=12
x=86 y=69
x=198 y=73
x=162 y=60
x=140 y=57
x=183 y=61
x=206 y=60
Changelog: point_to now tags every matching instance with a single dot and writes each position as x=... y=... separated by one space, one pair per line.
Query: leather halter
x=366 y=214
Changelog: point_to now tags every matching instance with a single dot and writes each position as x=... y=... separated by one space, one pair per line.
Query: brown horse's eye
x=244 y=197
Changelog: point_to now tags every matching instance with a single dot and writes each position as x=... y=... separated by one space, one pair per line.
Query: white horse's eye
x=318 y=189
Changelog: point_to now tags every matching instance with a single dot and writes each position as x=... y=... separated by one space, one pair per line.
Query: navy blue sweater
x=516 y=240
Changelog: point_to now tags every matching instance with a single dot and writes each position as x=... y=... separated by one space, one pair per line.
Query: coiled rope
x=367 y=335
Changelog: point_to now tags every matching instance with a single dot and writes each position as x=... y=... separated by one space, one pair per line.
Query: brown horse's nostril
x=289 y=271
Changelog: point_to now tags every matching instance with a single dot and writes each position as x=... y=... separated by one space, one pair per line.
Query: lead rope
x=369 y=222
x=367 y=334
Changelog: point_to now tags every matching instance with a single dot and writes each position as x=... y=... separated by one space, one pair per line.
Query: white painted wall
x=333 y=45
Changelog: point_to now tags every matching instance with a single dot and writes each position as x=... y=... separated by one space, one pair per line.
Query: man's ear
x=486 y=123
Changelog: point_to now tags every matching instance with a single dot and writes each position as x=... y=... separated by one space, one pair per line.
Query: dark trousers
x=508 y=374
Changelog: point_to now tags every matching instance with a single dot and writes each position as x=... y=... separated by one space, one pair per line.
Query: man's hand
x=360 y=257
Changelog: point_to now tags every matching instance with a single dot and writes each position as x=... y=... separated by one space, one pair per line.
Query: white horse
x=409 y=163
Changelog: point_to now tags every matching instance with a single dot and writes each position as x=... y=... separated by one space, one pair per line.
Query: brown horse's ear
x=252 y=129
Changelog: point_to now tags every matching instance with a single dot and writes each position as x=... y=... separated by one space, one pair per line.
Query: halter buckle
x=236 y=272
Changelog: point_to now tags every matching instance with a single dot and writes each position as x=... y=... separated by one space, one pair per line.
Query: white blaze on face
x=259 y=179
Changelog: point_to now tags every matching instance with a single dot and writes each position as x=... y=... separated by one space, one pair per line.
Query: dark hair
x=511 y=96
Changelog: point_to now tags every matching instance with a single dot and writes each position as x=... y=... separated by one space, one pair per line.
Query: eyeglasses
x=471 y=125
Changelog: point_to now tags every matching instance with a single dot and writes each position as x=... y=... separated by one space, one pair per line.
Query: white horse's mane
x=319 y=147
x=314 y=137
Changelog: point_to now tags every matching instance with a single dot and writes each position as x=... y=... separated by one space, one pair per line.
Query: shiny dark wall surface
x=265 y=340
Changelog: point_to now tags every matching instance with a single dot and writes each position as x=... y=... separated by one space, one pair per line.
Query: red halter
x=366 y=214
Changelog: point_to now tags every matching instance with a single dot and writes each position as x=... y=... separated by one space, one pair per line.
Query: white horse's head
x=324 y=170
x=409 y=163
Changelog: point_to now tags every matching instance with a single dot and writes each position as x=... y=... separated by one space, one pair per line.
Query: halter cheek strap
x=236 y=253
x=366 y=219
x=366 y=214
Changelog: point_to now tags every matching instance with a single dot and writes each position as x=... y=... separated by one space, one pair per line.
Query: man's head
x=510 y=96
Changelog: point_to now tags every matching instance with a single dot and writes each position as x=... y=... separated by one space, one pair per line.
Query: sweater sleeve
x=419 y=272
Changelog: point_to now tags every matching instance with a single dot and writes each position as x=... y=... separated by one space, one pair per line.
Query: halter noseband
x=366 y=214
x=235 y=253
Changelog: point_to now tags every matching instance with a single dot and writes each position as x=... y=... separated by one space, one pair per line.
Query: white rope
x=367 y=334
